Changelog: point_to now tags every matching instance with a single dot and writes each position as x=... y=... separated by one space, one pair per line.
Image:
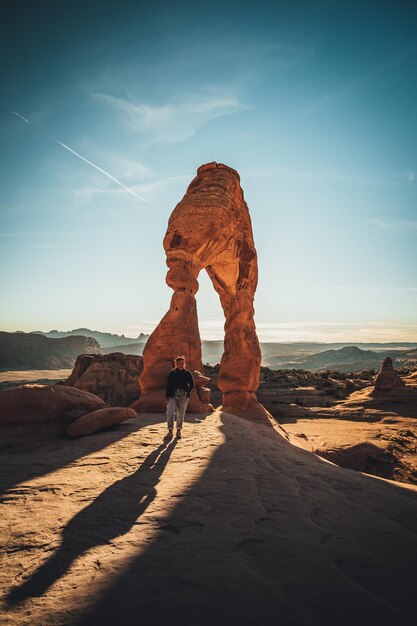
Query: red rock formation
x=209 y=229
x=113 y=377
x=33 y=404
x=387 y=379
x=97 y=420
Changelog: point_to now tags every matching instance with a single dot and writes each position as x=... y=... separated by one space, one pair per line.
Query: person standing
x=179 y=386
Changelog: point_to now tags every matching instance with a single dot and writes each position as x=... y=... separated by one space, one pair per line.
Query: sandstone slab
x=97 y=420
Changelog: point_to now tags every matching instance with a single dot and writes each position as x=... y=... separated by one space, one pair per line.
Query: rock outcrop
x=98 y=420
x=112 y=377
x=387 y=379
x=34 y=404
x=209 y=229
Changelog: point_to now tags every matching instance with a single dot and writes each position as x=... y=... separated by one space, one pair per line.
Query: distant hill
x=347 y=359
x=26 y=351
x=105 y=340
x=314 y=356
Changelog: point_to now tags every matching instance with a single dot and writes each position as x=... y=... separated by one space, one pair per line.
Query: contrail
x=21 y=117
x=98 y=168
x=63 y=145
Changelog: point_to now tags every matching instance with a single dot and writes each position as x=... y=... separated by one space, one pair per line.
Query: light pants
x=176 y=408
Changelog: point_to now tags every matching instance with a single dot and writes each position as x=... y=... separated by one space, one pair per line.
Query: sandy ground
x=32 y=375
x=15 y=378
x=231 y=524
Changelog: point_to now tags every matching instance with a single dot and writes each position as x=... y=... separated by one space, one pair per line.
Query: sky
x=108 y=108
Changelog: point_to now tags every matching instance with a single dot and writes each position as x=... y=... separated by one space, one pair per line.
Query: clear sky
x=314 y=103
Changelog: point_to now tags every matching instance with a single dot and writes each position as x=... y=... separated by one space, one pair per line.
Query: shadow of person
x=29 y=451
x=268 y=534
x=110 y=515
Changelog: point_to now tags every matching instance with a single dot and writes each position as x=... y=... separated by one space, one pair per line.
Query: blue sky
x=315 y=106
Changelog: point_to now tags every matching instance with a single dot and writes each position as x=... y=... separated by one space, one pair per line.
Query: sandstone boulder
x=113 y=377
x=97 y=420
x=199 y=379
x=33 y=404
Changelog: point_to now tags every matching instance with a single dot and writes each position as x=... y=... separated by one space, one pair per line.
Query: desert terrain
x=231 y=524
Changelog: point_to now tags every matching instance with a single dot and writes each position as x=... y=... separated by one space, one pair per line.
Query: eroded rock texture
x=34 y=404
x=98 y=420
x=113 y=377
x=388 y=379
x=209 y=229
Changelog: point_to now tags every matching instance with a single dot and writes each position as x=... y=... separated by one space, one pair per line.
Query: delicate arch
x=209 y=229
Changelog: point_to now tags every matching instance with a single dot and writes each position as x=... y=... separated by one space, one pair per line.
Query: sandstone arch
x=209 y=229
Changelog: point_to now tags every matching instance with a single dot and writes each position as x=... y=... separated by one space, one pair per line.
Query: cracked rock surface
x=230 y=524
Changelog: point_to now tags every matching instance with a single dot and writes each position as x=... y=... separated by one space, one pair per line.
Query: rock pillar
x=209 y=229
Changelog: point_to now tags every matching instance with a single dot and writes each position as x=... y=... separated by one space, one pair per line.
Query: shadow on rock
x=113 y=513
x=272 y=534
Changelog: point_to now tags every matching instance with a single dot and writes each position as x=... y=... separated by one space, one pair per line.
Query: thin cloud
x=396 y=225
x=174 y=123
x=128 y=169
x=147 y=190
x=113 y=178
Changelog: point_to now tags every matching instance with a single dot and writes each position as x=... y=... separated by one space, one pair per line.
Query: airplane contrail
x=98 y=168
x=21 y=117
x=63 y=145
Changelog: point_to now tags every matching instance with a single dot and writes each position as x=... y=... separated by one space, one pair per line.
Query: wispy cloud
x=128 y=169
x=82 y=158
x=174 y=122
x=148 y=190
x=100 y=169
x=396 y=225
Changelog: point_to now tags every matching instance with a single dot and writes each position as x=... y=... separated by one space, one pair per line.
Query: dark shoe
x=179 y=436
x=168 y=435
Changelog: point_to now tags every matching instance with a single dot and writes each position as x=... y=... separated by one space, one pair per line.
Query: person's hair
x=180 y=358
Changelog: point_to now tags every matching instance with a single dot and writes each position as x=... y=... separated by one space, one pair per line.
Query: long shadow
x=112 y=514
x=269 y=535
x=29 y=452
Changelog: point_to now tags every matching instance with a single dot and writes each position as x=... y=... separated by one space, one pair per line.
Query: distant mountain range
x=106 y=340
x=31 y=351
x=59 y=349
x=344 y=357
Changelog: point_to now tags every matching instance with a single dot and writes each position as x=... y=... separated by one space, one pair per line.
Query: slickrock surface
x=113 y=377
x=209 y=229
x=33 y=404
x=229 y=525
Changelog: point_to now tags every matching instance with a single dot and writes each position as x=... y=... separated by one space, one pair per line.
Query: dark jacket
x=179 y=379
